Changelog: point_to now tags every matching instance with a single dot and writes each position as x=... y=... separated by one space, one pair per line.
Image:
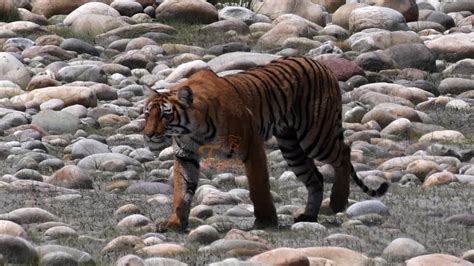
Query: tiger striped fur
x=295 y=99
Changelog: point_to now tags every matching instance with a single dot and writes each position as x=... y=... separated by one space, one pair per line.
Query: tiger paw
x=262 y=224
x=171 y=225
x=306 y=218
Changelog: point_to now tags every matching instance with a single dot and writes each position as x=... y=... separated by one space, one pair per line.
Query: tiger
x=295 y=99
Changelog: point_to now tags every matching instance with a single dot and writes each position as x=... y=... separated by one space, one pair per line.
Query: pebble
x=402 y=249
x=367 y=207
x=18 y=250
x=203 y=235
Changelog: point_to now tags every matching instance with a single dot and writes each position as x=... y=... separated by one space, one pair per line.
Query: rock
x=397 y=163
x=80 y=257
x=70 y=176
x=469 y=255
x=235 y=247
x=385 y=113
x=100 y=160
x=123 y=243
x=464 y=219
x=127 y=8
x=18 y=250
x=461 y=69
x=343 y=240
x=139 y=43
x=282 y=256
x=69 y=94
x=29 y=216
x=209 y=195
x=92 y=25
x=149 y=188
x=457 y=6
x=58 y=232
x=381 y=39
x=303 y=8
x=239 y=234
x=12 y=229
x=453 y=47
x=447 y=136
x=79 y=46
x=342 y=14
x=408 y=8
x=165 y=249
x=224 y=26
x=330 y=5
x=58 y=258
x=85 y=8
x=130 y=260
x=284 y=29
x=239 y=60
x=412 y=94
x=201 y=212
x=375 y=61
x=132 y=31
x=338 y=255
x=51 y=52
x=440 y=178
x=29 y=174
x=342 y=68
x=133 y=221
x=413 y=56
x=376 y=17
x=187 y=11
x=444 y=19
x=14 y=70
x=163 y=261
x=48 y=8
x=56 y=121
x=238 y=13
x=398 y=127
x=186 y=70
x=423 y=168
x=455 y=85
x=437 y=259
x=402 y=249
x=203 y=235
x=367 y=207
x=308 y=227
x=86 y=147
x=82 y=73
x=31 y=185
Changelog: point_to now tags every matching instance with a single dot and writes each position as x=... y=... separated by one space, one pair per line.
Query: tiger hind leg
x=305 y=170
x=342 y=168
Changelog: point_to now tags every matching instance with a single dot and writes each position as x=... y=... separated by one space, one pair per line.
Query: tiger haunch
x=295 y=99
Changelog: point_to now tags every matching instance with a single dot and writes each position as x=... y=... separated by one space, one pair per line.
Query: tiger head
x=168 y=114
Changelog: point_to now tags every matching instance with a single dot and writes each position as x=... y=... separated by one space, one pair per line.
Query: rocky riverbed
x=79 y=185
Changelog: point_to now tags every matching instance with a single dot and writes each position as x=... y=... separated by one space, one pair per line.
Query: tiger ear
x=185 y=96
x=149 y=91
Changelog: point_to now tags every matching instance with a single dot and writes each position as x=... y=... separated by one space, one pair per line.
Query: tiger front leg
x=259 y=185
x=185 y=180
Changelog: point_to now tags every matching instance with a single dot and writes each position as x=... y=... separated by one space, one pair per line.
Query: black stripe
x=233 y=86
x=315 y=87
x=294 y=157
x=188 y=160
x=211 y=129
x=277 y=86
x=302 y=108
x=268 y=99
x=260 y=98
